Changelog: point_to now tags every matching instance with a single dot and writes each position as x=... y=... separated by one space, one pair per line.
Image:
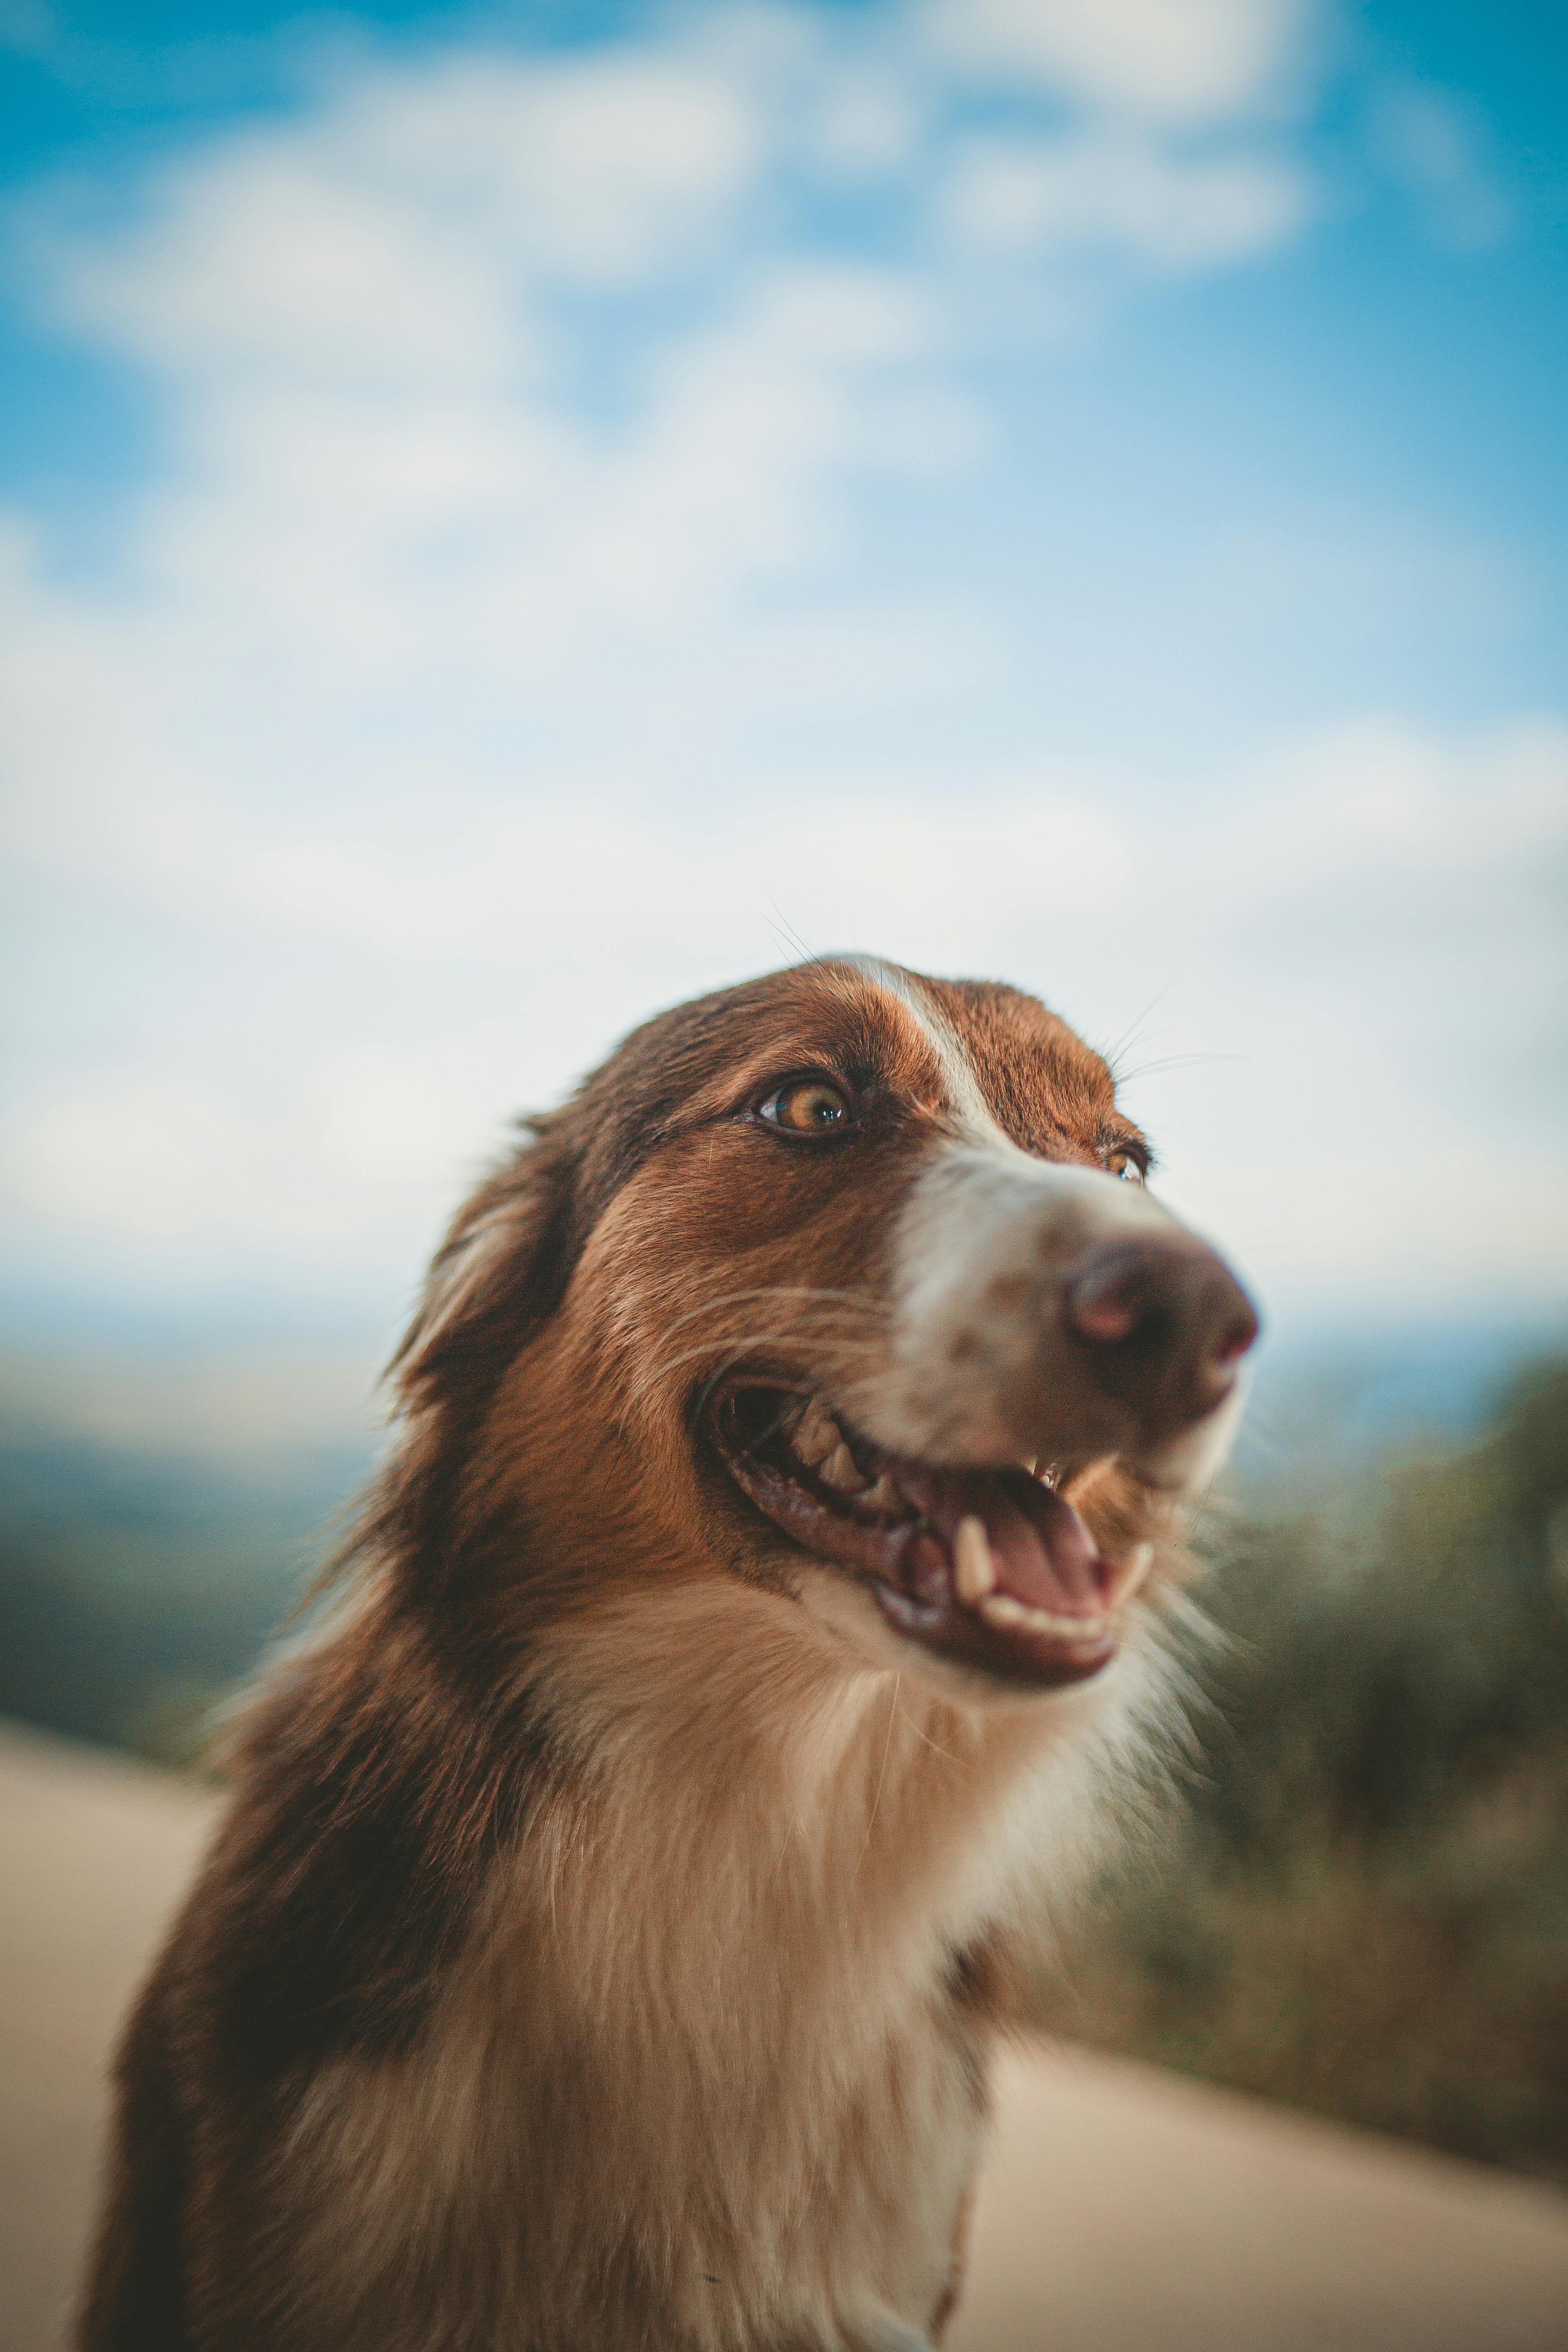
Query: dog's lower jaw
x=845 y=1612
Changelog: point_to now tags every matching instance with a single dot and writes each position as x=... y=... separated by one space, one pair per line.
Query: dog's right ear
x=499 y=1274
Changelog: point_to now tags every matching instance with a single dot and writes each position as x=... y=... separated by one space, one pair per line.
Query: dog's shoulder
x=373 y=1792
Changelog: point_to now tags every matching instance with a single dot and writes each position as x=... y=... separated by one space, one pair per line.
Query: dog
x=757 y=1624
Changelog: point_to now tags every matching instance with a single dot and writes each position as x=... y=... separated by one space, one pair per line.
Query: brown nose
x=1164 y=1323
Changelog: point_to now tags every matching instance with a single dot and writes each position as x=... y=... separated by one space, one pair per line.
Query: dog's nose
x=1163 y=1322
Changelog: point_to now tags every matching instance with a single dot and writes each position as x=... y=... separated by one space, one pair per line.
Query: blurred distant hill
x=133 y=1588
x=163 y=1506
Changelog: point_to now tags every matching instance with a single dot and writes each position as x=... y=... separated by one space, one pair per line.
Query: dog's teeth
x=1001 y=1609
x=839 y=1470
x=1077 y=1629
x=885 y=1494
x=818 y=1434
x=972 y=1566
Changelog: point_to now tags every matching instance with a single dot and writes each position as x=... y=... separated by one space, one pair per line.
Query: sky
x=511 y=518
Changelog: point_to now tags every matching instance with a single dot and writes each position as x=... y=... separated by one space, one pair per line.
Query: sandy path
x=1122 y=2211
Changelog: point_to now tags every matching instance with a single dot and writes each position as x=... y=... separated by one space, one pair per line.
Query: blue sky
x=512 y=517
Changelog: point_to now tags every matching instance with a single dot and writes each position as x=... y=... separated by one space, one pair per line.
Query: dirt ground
x=1123 y=2211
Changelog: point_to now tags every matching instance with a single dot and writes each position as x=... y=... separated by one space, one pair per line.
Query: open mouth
x=988 y=1566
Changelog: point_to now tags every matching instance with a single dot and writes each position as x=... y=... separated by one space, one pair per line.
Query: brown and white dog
x=760 y=1617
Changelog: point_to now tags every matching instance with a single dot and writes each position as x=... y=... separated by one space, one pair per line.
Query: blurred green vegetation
x=135 y=1589
x=1365 y=1910
x=1362 y=1905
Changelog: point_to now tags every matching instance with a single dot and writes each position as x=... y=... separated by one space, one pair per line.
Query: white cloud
x=968 y=877
x=1377 y=799
x=351 y=1163
x=600 y=168
x=1173 y=60
x=399 y=235
x=132 y=1158
x=1296 y=932
x=387 y=473
x=1119 y=190
x=387 y=480
x=868 y=122
x=1443 y=1226
x=260 y=258
x=441 y=531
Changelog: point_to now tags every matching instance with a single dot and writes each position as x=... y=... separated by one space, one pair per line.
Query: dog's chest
x=807 y=2198
x=831 y=2213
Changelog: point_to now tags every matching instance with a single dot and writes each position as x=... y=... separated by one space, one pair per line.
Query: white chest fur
x=703 y=2079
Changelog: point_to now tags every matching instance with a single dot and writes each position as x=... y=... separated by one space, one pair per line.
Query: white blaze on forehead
x=961 y=1082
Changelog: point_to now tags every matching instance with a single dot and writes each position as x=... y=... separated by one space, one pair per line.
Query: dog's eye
x=806 y=1107
x=1124 y=1164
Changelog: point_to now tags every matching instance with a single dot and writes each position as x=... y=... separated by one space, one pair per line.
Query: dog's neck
x=749 y=1786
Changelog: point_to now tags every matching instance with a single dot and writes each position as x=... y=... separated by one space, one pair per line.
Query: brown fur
x=596 y=1953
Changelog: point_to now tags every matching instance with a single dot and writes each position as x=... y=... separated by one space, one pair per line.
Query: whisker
x=1174 y=1061
x=1111 y=1055
x=861 y=1302
x=934 y=1745
x=744 y=1343
x=894 y=1711
x=807 y=955
x=824 y=1329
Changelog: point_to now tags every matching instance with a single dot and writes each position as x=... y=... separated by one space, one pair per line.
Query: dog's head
x=844 y=1284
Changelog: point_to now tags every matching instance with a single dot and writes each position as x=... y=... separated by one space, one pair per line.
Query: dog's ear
x=499 y=1272
x=497 y=1275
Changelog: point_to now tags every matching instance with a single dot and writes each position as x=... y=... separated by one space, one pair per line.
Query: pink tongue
x=1043 y=1554
x=1045 y=1557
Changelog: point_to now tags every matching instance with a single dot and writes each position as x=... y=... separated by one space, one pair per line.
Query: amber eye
x=1124 y=1164
x=806 y=1107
